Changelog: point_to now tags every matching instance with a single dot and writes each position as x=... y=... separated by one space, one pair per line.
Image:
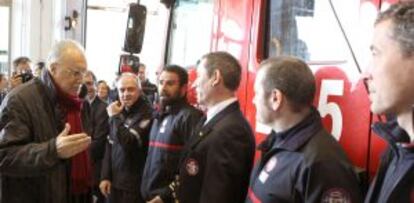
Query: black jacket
x=217 y=163
x=169 y=133
x=95 y=123
x=30 y=121
x=127 y=147
x=394 y=181
x=150 y=91
x=303 y=164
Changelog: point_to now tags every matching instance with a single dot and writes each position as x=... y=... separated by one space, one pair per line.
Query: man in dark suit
x=95 y=123
x=219 y=156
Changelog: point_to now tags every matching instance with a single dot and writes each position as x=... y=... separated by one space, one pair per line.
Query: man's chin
x=165 y=102
x=376 y=109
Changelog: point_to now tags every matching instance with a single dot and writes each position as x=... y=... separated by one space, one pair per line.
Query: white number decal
x=332 y=87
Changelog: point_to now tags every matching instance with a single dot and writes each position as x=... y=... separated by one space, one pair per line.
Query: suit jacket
x=218 y=160
x=95 y=124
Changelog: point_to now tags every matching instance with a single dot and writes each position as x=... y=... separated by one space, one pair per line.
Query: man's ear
x=53 y=68
x=216 y=77
x=276 y=99
x=183 y=90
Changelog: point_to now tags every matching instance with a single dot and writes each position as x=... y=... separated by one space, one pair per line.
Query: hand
x=105 y=187
x=70 y=145
x=15 y=81
x=156 y=199
x=114 y=108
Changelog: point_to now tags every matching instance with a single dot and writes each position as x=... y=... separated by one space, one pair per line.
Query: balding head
x=130 y=76
x=66 y=64
x=62 y=49
x=129 y=89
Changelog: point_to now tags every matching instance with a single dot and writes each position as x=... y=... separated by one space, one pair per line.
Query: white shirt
x=217 y=108
x=90 y=100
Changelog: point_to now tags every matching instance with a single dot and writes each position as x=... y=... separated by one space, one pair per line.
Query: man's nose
x=366 y=76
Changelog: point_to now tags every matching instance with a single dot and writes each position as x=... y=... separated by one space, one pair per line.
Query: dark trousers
x=124 y=196
x=96 y=192
x=81 y=198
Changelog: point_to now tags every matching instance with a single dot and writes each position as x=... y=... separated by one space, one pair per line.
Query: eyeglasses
x=88 y=83
x=75 y=73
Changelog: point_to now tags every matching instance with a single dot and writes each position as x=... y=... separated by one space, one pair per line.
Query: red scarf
x=80 y=177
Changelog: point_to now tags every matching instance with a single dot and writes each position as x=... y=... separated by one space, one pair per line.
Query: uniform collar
x=135 y=107
x=217 y=108
x=204 y=130
x=90 y=101
x=295 y=137
x=395 y=136
x=172 y=108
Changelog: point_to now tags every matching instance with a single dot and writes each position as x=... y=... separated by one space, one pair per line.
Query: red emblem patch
x=412 y=194
x=336 y=195
x=191 y=166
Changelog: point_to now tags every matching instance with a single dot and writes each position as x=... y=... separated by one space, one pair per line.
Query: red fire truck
x=332 y=36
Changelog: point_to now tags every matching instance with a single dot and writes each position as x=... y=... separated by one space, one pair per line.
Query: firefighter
x=171 y=129
x=391 y=91
x=301 y=161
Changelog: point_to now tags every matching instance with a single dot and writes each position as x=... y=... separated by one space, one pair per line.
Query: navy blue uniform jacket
x=170 y=130
x=303 y=164
x=218 y=160
x=127 y=147
x=394 y=181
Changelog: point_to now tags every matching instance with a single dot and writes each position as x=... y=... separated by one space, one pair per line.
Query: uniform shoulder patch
x=192 y=167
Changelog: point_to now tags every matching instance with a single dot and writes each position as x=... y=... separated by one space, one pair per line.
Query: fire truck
x=332 y=36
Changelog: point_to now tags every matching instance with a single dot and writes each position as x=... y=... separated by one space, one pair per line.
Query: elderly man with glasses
x=43 y=156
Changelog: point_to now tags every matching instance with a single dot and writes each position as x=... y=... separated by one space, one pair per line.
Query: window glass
x=4 y=38
x=190 y=35
x=306 y=29
x=105 y=34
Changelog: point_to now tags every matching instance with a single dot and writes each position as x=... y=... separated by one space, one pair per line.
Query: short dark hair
x=402 y=17
x=227 y=65
x=88 y=72
x=104 y=82
x=180 y=71
x=292 y=77
x=40 y=65
x=20 y=60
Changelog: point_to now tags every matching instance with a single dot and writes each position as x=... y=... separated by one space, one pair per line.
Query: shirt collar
x=217 y=108
x=90 y=101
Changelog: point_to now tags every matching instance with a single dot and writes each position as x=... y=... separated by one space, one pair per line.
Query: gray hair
x=61 y=48
x=402 y=17
x=135 y=77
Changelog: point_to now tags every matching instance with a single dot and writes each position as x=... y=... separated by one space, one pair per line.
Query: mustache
x=164 y=94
